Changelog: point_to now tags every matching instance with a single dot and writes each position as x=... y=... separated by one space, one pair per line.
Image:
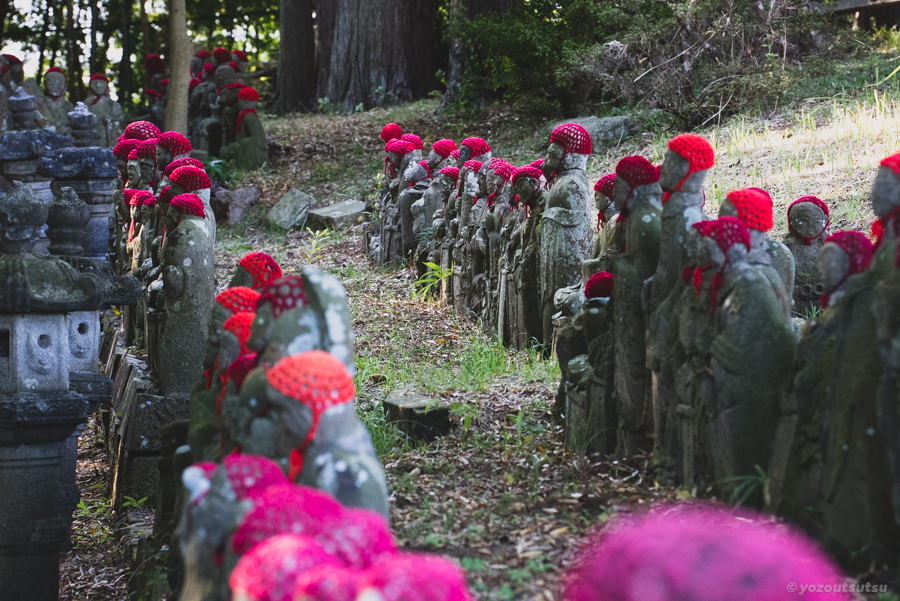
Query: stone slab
x=348 y=212
x=292 y=211
x=604 y=131
x=149 y=416
x=417 y=415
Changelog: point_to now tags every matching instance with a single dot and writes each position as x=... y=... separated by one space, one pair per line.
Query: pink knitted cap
x=328 y=582
x=360 y=539
x=417 y=577
x=251 y=474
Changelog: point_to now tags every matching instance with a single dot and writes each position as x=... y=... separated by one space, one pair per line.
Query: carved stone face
x=433 y=159
x=245 y=105
x=807 y=219
x=98 y=87
x=41 y=353
x=122 y=166
x=148 y=170
x=84 y=338
x=465 y=153
x=482 y=177
x=447 y=186
x=885 y=192
x=135 y=212
x=620 y=192
x=196 y=64
x=694 y=244
x=526 y=187
x=601 y=200
x=134 y=173
x=710 y=253
x=54 y=84
x=674 y=168
x=554 y=157
x=18 y=73
x=172 y=219
x=163 y=157
x=393 y=158
x=833 y=265
x=225 y=76
x=726 y=209
x=148 y=213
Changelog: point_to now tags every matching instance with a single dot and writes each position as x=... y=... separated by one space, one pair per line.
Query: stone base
x=348 y=212
x=416 y=415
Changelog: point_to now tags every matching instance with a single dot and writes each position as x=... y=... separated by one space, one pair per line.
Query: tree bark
x=126 y=87
x=179 y=68
x=296 y=57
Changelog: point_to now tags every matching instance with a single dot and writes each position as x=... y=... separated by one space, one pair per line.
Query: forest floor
x=500 y=493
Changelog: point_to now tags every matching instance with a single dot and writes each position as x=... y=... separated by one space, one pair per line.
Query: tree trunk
x=296 y=57
x=126 y=87
x=4 y=13
x=179 y=68
x=368 y=51
x=73 y=52
x=94 y=64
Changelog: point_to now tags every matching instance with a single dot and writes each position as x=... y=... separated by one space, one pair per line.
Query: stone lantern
x=41 y=299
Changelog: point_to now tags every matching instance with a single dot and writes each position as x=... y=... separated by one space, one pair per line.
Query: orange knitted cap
x=315 y=378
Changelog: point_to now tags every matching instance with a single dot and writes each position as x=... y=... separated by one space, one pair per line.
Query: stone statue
x=389 y=132
x=189 y=179
x=142 y=173
x=566 y=235
x=110 y=116
x=255 y=270
x=200 y=58
x=607 y=215
x=249 y=150
x=157 y=70
x=639 y=198
x=754 y=208
x=221 y=57
x=175 y=164
x=239 y=57
x=440 y=155
x=14 y=74
x=171 y=146
x=527 y=268
x=189 y=290
x=808 y=220
x=399 y=154
x=55 y=107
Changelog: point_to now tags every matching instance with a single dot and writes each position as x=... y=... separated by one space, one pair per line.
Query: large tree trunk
x=367 y=49
x=126 y=87
x=179 y=56
x=296 y=57
x=4 y=12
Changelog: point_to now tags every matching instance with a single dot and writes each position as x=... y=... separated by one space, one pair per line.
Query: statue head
x=55 y=82
x=99 y=84
x=148 y=207
x=171 y=145
x=604 y=192
x=146 y=153
x=121 y=151
x=247 y=98
x=141 y=130
x=225 y=76
x=723 y=240
x=886 y=188
x=133 y=168
x=632 y=173
x=391 y=131
x=16 y=72
x=447 y=180
x=526 y=182
x=474 y=149
x=688 y=154
x=284 y=323
x=567 y=138
x=256 y=270
x=808 y=218
x=395 y=150
x=844 y=254
x=440 y=152
x=221 y=57
x=200 y=58
x=182 y=206
x=753 y=207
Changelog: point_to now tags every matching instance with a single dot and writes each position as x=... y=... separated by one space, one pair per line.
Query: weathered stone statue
x=399 y=155
x=754 y=208
x=808 y=220
x=110 y=116
x=221 y=57
x=14 y=74
x=171 y=146
x=440 y=154
x=189 y=289
x=255 y=270
x=200 y=58
x=525 y=296
x=607 y=215
x=175 y=164
x=418 y=146
x=142 y=165
x=566 y=235
x=239 y=57
x=639 y=198
x=474 y=149
x=156 y=67
x=189 y=179
x=249 y=150
x=55 y=107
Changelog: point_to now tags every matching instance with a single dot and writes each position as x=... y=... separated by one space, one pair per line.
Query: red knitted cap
x=726 y=231
x=222 y=56
x=98 y=76
x=315 y=378
x=572 y=137
x=359 y=539
x=599 y=285
x=503 y=168
x=391 y=131
x=190 y=179
x=637 y=171
x=240 y=325
x=444 y=147
x=754 y=208
x=142 y=197
x=12 y=59
x=605 y=185
x=238 y=299
x=149 y=201
x=451 y=172
x=56 y=70
x=146 y=149
x=127 y=194
x=193 y=84
x=893 y=162
x=408 y=576
x=328 y=583
x=413 y=139
x=124 y=148
x=164 y=82
x=816 y=201
x=857 y=246
x=283 y=294
x=234 y=66
x=240 y=368
x=209 y=70
x=455 y=155
x=133 y=155
x=202 y=54
x=248 y=94
x=165 y=195
x=251 y=475
x=141 y=130
x=527 y=171
x=472 y=165
x=477 y=146
x=696 y=149
x=262 y=267
x=270 y=570
x=152 y=93
x=188 y=204
x=182 y=162
x=154 y=63
x=399 y=147
x=174 y=142
x=241 y=55
x=285 y=508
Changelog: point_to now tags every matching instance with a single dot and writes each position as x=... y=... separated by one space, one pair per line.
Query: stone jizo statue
x=249 y=150
x=110 y=116
x=256 y=270
x=55 y=107
x=171 y=146
x=808 y=220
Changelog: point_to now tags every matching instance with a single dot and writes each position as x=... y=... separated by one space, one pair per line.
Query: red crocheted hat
x=240 y=325
x=503 y=168
x=146 y=149
x=455 y=155
x=285 y=508
x=359 y=539
x=857 y=246
x=248 y=94
x=391 y=131
x=193 y=84
x=164 y=82
x=234 y=66
x=183 y=162
x=599 y=285
x=451 y=172
x=572 y=137
x=174 y=142
x=98 y=76
x=165 y=195
x=240 y=368
x=269 y=571
x=154 y=63
x=142 y=197
x=202 y=54
x=637 y=171
x=56 y=70
x=472 y=165
x=241 y=55
x=406 y=575
x=149 y=201
x=263 y=268
x=893 y=162
x=527 y=171
x=605 y=185
x=222 y=56
x=754 y=208
x=696 y=149
x=209 y=70
x=477 y=146
x=444 y=147
x=188 y=204
x=251 y=475
x=12 y=59
x=399 y=147
x=726 y=231
x=413 y=139
x=127 y=193
x=124 y=148
x=152 y=93
x=283 y=294
x=328 y=583
x=141 y=130
x=819 y=203
x=190 y=179
x=133 y=155
x=238 y=299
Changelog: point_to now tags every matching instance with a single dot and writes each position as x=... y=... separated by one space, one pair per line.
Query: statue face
x=433 y=159
x=482 y=183
x=98 y=87
x=172 y=218
x=620 y=192
x=710 y=253
x=674 y=168
x=885 y=192
x=122 y=166
x=54 y=84
x=834 y=264
x=807 y=219
x=163 y=156
x=148 y=170
x=246 y=104
x=393 y=158
x=694 y=246
x=18 y=73
x=196 y=65
x=525 y=187
x=135 y=212
x=554 y=157
x=601 y=200
x=148 y=213
x=225 y=75
x=465 y=153
x=726 y=209
x=134 y=173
